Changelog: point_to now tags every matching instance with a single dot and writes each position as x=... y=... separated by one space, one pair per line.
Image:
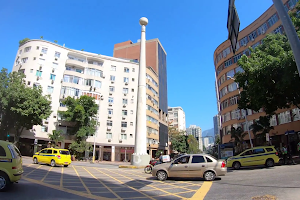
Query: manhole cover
x=265 y=197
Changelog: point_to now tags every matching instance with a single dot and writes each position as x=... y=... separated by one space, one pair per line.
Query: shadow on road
x=106 y=184
x=184 y=179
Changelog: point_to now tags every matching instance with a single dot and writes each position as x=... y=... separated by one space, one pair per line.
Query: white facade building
x=196 y=131
x=176 y=117
x=64 y=72
x=206 y=142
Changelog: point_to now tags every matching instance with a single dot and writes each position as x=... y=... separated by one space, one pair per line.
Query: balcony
x=74 y=62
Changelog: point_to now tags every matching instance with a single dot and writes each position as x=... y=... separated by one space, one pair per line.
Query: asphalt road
x=282 y=182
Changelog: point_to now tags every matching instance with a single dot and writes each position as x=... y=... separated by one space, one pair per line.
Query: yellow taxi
x=263 y=155
x=53 y=157
x=11 y=168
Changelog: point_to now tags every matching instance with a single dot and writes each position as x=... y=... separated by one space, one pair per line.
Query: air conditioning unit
x=109 y=140
x=110 y=93
x=91 y=88
x=112 y=81
x=110 y=104
x=123 y=117
x=123 y=128
x=53 y=70
x=62 y=80
x=94 y=88
x=109 y=115
x=125 y=94
x=103 y=76
x=120 y=141
x=41 y=67
x=52 y=81
x=108 y=127
x=55 y=59
x=37 y=78
x=126 y=83
x=124 y=105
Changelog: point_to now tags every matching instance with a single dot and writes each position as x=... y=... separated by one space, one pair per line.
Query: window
x=111 y=88
x=89 y=82
x=123 y=124
x=54 y=65
x=97 y=84
x=262 y=29
x=113 y=68
x=126 y=70
x=50 y=89
x=296 y=114
x=252 y=36
x=37 y=48
x=237 y=57
x=44 y=128
x=24 y=60
x=108 y=135
x=232 y=87
x=2 y=152
x=110 y=111
x=49 y=151
x=44 y=50
x=110 y=99
x=54 y=151
x=41 y=61
x=226 y=52
x=27 y=49
x=278 y=30
x=124 y=136
x=28 y=83
x=38 y=73
x=133 y=69
x=20 y=51
x=273 y=121
x=94 y=72
x=198 y=159
x=272 y=20
x=112 y=78
x=52 y=77
x=257 y=151
x=284 y=117
x=126 y=79
x=57 y=54
x=182 y=160
x=230 y=74
x=132 y=90
x=124 y=112
x=244 y=41
x=109 y=123
x=125 y=101
x=125 y=90
x=249 y=152
x=228 y=62
x=74 y=69
x=227 y=117
x=269 y=149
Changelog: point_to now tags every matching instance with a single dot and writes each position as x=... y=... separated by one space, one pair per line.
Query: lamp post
x=125 y=155
x=237 y=86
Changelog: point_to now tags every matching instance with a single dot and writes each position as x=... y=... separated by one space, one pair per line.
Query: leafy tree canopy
x=193 y=145
x=56 y=137
x=21 y=42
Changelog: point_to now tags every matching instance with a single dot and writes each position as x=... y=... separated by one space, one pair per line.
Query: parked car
x=11 y=169
x=263 y=155
x=53 y=157
x=191 y=165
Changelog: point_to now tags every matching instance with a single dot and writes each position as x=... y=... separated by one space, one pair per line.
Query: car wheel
x=4 y=182
x=66 y=165
x=52 y=163
x=35 y=161
x=161 y=175
x=236 y=165
x=270 y=162
x=148 y=169
x=209 y=176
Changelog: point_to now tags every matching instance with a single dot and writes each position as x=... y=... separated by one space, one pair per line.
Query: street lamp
x=244 y=110
x=97 y=128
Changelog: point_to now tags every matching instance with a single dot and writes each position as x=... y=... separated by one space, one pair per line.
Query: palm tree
x=56 y=137
x=55 y=41
x=238 y=135
x=42 y=37
x=260 y=128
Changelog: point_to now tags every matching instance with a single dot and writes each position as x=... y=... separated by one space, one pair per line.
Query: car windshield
x=64 y=152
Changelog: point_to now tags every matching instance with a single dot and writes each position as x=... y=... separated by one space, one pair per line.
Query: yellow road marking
x=33 y=170
x=139 y=181
x=201 y=193
x=87 y=189
x=125 y=184
x=61 y=177
x=90 y=196
x=166 y=183
x=47 y=174
x=102 y=183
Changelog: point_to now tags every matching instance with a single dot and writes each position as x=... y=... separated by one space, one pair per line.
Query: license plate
x=66 y=163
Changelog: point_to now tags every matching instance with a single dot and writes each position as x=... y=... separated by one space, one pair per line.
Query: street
x=104 y=181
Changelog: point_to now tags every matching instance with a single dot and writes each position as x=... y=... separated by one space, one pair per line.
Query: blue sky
x=190 y=31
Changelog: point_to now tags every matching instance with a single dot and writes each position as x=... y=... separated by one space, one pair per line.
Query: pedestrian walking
x=284 y=153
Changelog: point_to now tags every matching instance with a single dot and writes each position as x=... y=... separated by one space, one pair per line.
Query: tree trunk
x=17 y=136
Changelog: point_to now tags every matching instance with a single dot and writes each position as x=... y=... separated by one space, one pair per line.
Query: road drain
x=265 y=197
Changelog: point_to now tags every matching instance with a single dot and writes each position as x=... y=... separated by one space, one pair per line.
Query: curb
x=131 y=166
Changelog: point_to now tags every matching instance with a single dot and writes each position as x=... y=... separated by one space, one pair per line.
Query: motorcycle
x=152 y=163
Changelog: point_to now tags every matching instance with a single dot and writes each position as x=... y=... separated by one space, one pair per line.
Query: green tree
x=21 y=106
x=193 y=145
x=56 y=137
x=21 y=42
x=82 y=113
x=42 y=37
x=260 y=128
x=269 y=76
x=238 y=135
x=179 y=143
x=55 y=41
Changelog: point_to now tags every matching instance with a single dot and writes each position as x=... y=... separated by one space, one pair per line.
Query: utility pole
x=289 y=30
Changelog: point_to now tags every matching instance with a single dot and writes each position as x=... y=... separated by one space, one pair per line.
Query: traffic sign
x=233 y=25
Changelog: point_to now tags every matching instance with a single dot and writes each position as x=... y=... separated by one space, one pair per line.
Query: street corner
x=104 y=183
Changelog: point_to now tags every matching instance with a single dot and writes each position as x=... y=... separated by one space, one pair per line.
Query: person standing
x=284 y=153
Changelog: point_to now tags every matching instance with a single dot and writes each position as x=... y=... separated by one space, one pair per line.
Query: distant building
x=176 y=118
x=216 y=125
x=197 y=133
x=206 y=142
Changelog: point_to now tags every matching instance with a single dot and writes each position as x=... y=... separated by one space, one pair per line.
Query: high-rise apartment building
x=227 y=92
x=217 y=125
x=177 y=118
x=196 y=131
x=113 y=82
x=156 y=59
